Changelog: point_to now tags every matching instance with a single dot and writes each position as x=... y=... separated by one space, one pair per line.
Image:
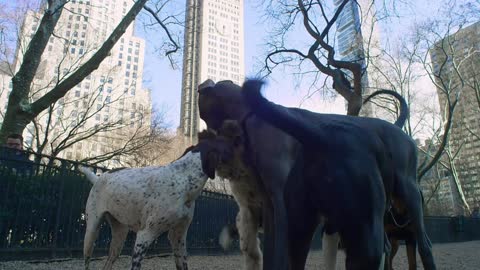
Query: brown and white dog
x=340 y=167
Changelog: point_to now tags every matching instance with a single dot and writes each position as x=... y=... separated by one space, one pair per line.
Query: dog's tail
x=293 y=121
x=404 y=111
x=227 y=235
x=93 y=178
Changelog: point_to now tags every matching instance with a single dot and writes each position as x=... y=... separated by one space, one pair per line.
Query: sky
x=282 y=88
x=165 y=81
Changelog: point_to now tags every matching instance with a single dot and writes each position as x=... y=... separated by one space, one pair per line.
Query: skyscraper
x=111 y=102
x=456 y=66
x=214 y=49
x=358 y=39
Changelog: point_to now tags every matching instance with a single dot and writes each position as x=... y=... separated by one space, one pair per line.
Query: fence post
x=59 y=210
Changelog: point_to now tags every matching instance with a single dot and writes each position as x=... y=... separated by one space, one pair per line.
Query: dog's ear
x=205 y=85
x=210 y=159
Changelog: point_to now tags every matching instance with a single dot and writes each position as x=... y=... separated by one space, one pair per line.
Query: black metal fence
x=42 y=214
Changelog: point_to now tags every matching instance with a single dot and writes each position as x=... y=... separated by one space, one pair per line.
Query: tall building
x=214 y=49
x=358 y=39
x=5 y=86
x=111 y=99
x=456 y=65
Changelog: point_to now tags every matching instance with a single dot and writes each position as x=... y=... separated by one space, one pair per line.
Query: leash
x=400 y=226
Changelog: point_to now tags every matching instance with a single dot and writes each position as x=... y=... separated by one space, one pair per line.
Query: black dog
x=273 y=154
x=223 y=100
x=351 y=166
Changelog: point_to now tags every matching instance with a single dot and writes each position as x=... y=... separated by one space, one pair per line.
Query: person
x=13 y=157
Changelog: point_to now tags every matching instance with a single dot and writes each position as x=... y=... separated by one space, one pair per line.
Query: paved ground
x=456 y=256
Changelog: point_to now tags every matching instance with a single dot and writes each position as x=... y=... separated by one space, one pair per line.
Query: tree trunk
x=20 y=111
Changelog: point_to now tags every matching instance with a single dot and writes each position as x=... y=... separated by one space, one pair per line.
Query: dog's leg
x=178 y=240
x=413 y=201
x=364 y=245
x=300 y=238
x=91 y=233
x=395 y=244
x=268 y=230
x=274 y=177
x=247 y=226
x=144 y=239
x=411 y=253
x=330 y=248
x=119 y=234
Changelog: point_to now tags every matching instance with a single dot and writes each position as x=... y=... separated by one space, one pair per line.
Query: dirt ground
x=458 y=256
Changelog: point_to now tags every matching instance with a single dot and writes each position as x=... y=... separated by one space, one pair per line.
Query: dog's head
x=218 y=148
x=218 y=102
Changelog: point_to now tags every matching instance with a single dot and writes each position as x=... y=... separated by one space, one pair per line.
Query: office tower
x=456 y=66
x=358 y=40
x=113 y=94
x=214 y=49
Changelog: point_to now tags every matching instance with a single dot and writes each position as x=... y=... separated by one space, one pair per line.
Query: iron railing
x=42 y=214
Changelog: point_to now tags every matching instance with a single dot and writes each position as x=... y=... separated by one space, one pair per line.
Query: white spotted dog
x=152 y=200
x=246 y=191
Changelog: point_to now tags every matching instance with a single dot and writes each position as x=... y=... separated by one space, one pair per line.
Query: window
x=120 y=55
x=119 y=63
x=77 y=93
x=72 y=50
x=109 y=90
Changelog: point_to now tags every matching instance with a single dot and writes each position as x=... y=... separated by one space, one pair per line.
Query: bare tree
x=155 y=147
x=22 y=108
x=319 y=57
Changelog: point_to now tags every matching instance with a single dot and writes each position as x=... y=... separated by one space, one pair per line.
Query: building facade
x=214 y=49
x=456 y=66
x=5 y=86
x=111 y=102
